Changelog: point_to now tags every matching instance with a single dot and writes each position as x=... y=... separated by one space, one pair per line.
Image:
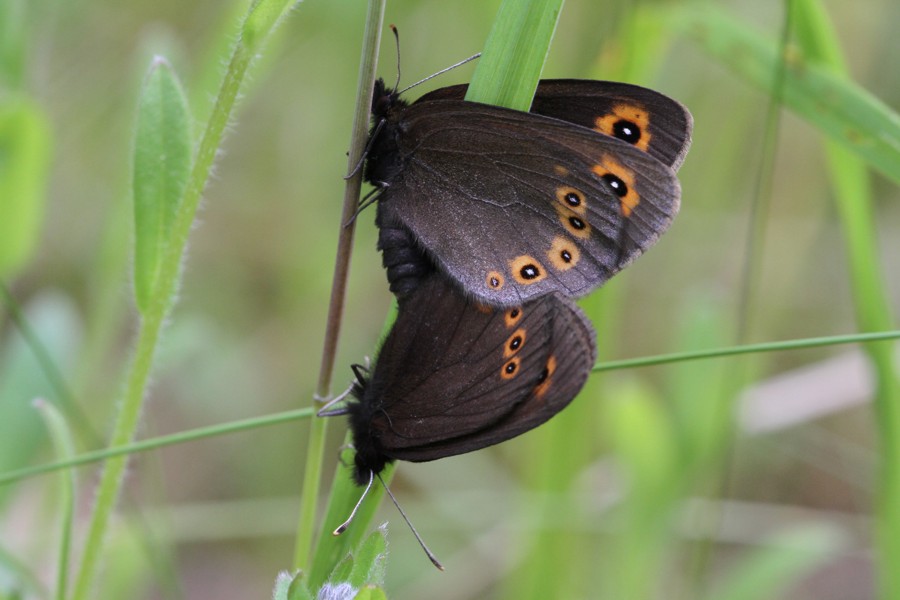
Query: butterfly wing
x=454 y=376
x=651 y=121
x=514 y=205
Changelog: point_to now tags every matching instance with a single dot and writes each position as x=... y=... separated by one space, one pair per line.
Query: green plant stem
x=312 y=474
x=305 y=413
x=818 y=342
x=260 y=21
x=158 y=442
x=110 y=482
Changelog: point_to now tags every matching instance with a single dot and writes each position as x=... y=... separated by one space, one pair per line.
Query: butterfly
x=455 y=375
x=515 y=205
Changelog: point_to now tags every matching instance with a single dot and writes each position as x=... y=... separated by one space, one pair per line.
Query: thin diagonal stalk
x=154 y=443
x=764 y=347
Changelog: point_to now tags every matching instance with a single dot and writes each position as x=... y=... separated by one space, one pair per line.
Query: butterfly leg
x=327 y=411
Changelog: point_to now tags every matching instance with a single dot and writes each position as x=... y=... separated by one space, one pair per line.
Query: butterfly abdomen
x=406 y=264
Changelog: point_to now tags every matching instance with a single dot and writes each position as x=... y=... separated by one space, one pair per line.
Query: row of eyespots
x=563 y=254
x=628 y=122
x=513 y=343
x=572 y=210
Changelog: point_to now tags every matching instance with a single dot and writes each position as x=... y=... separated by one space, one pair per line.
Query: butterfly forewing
x=513 y=206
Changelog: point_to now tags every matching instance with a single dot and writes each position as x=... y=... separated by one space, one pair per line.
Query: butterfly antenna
x=397 y=38
x=428 y=552
x=343 y=526
x=459 y=64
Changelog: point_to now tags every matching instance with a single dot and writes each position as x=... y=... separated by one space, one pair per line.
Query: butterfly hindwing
x=455 y=376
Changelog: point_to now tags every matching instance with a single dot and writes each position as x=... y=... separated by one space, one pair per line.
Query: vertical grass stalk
x=312 y=474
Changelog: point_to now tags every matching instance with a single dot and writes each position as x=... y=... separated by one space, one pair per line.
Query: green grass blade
x=360 y=573
x=162 y=165
x=510 y=65
x=842 y=110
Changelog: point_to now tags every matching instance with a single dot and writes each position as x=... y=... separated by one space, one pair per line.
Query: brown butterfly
x=514 y=205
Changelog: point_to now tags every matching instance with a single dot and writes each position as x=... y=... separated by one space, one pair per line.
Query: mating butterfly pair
x=490 y=221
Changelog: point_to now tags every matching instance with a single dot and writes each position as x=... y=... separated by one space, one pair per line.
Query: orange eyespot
x=574 y=223
x=628 y=122
x=511 y=368
x=621 y=180
x=526 y=270
x=514 y=343
x=572 y=199
x=512 y=316
x=563 y=254
x=494 y=280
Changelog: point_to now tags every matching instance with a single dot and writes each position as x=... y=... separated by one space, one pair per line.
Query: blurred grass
x=850 y=179
x=246 y=335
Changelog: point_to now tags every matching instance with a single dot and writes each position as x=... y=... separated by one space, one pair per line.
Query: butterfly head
x=370 y=458
x=384 y=100
x=383 y=162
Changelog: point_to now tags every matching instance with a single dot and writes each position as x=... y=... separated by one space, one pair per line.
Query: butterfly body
x=513 y=205
x=455 y=376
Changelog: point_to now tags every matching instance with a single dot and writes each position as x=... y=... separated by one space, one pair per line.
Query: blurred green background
x=713 y=479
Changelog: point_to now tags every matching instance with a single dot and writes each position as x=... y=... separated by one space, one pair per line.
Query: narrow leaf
x=162 y=165
x=510 y=66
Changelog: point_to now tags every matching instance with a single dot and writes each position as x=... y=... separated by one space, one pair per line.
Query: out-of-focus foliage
x=720 y=476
